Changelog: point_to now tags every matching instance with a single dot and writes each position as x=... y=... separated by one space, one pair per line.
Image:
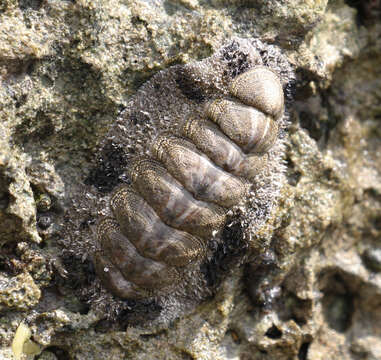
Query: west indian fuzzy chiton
x=186 y=177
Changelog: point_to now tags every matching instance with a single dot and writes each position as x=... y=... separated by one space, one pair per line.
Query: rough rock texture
x=68 y=68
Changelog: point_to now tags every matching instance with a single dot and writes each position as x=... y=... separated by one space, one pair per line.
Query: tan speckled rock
x=67 y=68
x=18 y=293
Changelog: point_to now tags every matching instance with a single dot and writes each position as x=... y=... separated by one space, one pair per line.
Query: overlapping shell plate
x=189 y=173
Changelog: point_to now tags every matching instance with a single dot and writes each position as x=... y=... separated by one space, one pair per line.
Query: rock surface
x=68 y=68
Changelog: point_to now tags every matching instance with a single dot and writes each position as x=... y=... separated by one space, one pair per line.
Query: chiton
x=189 y=173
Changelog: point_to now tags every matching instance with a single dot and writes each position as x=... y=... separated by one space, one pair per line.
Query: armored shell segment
x=151 y=237
x=114 y=280
x=260 y=87
x=193 y=176
x=196 y=172
x=253 y=165
x=208 y=137
x=142 y=271
x=172 y=202
x=250 y=129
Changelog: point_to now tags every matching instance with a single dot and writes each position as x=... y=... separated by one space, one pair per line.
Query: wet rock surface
x=68 y=68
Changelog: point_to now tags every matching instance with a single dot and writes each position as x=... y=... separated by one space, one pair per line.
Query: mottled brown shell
x=180 y=195
x=251 y=129
x=261 y=88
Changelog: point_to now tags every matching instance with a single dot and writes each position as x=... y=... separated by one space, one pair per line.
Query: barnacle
x=200 y=148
